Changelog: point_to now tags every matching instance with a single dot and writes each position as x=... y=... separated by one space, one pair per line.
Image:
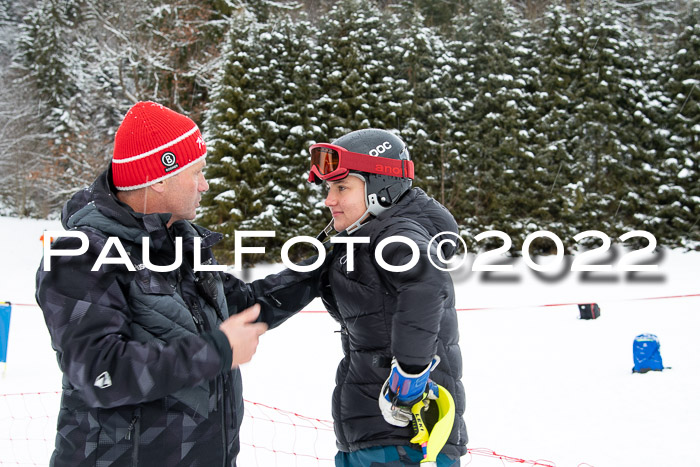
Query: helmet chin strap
x=355 y=226
x=373 y=208
x=325 y=233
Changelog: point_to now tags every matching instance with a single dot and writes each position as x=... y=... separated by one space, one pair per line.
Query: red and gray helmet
x=379 y=157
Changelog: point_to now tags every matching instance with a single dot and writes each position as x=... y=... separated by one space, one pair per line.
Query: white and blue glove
x=402 y=390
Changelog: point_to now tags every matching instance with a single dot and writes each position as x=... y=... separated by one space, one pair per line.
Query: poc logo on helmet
x=381 y=149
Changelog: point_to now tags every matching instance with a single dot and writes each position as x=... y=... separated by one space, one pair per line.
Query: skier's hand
x=243 y=333
x=402 y=390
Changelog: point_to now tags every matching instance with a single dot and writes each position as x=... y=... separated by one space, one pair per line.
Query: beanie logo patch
x=169 y=161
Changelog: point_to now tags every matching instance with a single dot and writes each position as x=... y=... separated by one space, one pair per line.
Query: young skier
x=399 y=330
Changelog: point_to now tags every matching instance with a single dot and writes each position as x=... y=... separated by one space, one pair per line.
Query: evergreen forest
x=520 y=116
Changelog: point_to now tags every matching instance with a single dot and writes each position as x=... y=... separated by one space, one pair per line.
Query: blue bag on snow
x=647 y=356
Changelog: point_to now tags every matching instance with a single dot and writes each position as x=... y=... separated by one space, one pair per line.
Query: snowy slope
x=541 y=383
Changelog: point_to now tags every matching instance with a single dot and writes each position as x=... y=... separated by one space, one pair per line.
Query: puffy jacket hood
x=433 y=216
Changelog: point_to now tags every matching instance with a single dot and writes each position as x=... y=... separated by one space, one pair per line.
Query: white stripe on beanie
x=153 y=151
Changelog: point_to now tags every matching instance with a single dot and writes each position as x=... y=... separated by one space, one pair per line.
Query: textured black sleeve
x=220 y=342
x=283 y=294
x=239 y=294
x=280 y=295
x=88 y=318
x=421 y=293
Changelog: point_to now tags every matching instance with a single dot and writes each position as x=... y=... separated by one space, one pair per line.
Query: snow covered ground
x=543 y=387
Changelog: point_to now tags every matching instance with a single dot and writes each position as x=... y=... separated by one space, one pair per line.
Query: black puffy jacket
x=408 y=315
x=146 y=372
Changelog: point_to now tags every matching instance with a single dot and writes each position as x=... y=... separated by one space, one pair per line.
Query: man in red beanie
x=149 y=342
x=153 y=145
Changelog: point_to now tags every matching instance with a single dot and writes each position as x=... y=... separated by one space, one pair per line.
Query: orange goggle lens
x=325 y=159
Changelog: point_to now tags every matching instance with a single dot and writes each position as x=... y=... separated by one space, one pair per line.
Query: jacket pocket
x=119 y=436
x=158 y=309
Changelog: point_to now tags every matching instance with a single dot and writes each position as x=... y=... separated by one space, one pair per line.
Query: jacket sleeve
x=88 y=318
x=421 y=293
x=280 y=295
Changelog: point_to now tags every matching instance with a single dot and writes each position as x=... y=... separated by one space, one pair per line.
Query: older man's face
x=184 y=192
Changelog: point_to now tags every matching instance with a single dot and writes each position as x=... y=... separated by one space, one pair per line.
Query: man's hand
x=243 y=333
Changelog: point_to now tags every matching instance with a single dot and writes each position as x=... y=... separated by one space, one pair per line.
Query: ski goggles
x=330 y=162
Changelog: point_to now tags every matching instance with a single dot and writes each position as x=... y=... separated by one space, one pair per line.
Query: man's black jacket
x=147 y=378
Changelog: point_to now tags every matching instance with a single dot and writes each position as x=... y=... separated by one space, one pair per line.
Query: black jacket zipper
x=224 y=439
x=135 y=428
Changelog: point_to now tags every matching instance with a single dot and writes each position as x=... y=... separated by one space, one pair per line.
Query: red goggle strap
x=408 y=168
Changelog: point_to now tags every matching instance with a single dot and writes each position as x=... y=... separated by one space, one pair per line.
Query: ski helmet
x=382 y=189
x=378 y=157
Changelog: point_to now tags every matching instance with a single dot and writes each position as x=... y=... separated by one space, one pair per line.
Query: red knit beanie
x=152 y=144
